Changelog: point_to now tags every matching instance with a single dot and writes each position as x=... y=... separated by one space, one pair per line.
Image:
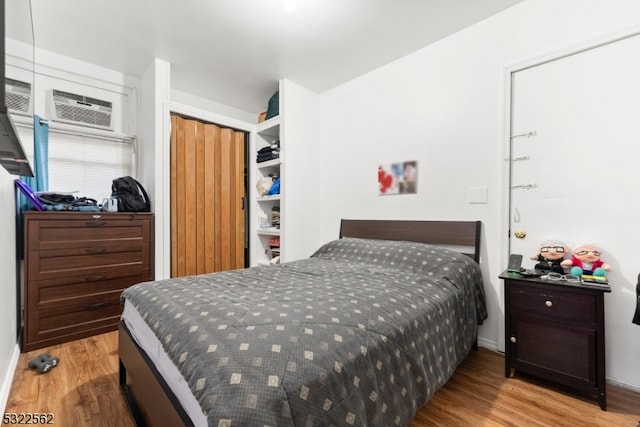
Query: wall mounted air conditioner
x=18 y=97
x=80 y=110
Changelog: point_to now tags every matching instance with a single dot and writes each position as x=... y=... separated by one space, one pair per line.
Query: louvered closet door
x=207 y=197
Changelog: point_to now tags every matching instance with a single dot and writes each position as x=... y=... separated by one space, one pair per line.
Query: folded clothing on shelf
x=269 y=153
x=267 y=156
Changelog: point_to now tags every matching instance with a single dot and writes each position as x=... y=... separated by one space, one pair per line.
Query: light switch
x=478 y=194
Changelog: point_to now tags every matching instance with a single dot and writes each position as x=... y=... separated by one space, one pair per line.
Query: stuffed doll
x=550 y=256
x=586 y=260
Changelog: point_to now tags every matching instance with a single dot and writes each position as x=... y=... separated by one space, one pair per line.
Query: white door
x=575 y=149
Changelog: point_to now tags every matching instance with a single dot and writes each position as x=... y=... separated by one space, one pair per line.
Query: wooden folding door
x=207 y=197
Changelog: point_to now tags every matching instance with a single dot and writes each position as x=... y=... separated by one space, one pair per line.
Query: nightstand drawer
x=554 y=304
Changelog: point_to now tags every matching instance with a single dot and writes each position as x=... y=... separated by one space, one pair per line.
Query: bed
x=363 y=332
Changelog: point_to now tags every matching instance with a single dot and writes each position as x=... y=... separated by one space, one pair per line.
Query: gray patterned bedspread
x=363 y=333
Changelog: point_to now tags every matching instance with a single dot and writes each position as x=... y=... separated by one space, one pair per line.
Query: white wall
x=444 y=106
x=154 y=134
x=9 y=350
x=53 y=71
x=203 y=104
x=300 y=172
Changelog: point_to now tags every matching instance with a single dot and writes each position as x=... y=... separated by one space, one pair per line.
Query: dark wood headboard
x=464 y=235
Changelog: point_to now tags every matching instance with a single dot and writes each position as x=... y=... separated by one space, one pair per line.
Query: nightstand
x=555 y=330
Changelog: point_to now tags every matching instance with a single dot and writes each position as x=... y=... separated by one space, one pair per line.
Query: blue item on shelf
x=275 y=188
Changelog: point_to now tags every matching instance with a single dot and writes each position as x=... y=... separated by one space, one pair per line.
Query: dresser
x=555 y=330
x=76 y=265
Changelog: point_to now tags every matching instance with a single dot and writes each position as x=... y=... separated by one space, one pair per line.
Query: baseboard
x=622 y=384
x=492 y=345
x=488 y=344
x=8 y=378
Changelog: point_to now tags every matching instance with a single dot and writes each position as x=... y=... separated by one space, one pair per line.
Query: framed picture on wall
x=398 y=178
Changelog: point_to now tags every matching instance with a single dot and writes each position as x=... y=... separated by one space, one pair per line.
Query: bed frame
x=463 y=236
x=153 y=403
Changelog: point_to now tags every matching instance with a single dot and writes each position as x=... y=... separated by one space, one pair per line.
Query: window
x=81 y=162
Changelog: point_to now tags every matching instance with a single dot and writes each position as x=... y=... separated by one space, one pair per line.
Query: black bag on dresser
x=130 y=194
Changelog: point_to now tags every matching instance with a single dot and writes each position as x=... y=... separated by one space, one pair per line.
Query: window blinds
x=82 y=163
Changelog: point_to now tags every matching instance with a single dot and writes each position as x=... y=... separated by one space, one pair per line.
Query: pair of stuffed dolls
x=584 y=260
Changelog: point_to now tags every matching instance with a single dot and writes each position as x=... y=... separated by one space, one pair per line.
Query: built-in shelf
x=268 y=232
x=267 y=207
x=270 y=127
x=270 y=164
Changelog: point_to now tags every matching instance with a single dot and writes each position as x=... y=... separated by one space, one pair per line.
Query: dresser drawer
x=81 y=314
x=555 y=304
x=65 y=291
x=84 y=232
x=90 y=261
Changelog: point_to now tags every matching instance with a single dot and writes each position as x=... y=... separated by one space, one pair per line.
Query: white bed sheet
x=147 y=340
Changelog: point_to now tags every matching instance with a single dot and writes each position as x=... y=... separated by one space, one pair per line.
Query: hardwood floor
x=83 y=391
x=478 y=394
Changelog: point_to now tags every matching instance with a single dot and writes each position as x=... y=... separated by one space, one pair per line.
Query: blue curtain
x=41 y=153
x=40 y=182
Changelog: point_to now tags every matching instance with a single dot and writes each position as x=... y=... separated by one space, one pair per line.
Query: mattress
x=148 y=341
x=362 y=333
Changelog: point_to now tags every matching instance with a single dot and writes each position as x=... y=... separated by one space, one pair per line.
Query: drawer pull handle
x=548 y=303
x=96 y=250
x=96 y=223
x=513 y=339
x=96 y=305
x=95 y=278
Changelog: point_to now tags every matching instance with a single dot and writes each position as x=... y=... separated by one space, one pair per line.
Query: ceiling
x=234 y=51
